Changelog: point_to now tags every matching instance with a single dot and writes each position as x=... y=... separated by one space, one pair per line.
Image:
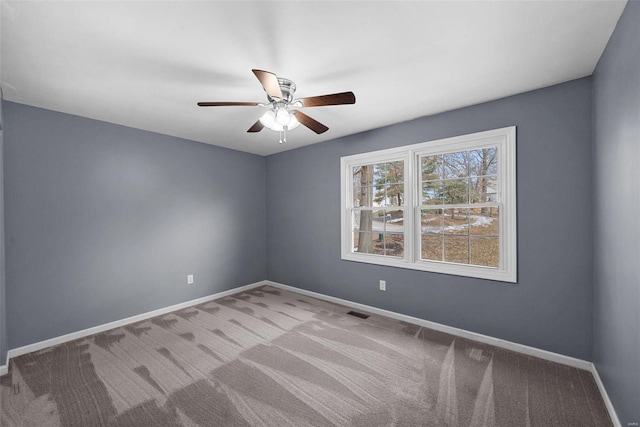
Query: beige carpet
x=275 y=358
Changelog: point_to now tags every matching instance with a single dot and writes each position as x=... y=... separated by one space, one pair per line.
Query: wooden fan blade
x=332 y=99
x=257 y=127
x=269 y=82
x=312 y=124
x=228 y=104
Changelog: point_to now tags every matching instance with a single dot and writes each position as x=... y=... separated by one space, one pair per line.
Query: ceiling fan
x=281 y=117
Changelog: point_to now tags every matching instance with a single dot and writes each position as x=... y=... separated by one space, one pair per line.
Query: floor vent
x=357 y=314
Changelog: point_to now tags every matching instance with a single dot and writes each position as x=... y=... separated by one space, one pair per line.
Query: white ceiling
x=145 y=64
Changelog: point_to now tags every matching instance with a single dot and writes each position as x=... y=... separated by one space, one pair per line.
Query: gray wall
x=549 y=308
x=616 y=312
x=3 y=323
x=105 y=222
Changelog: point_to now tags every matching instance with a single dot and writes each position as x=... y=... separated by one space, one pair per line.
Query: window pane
x=366 y=242
x=362 y=220
x=493 y=165
x=378 y=221
x=456 y=249
x=396 y=171
x=394 y=221
x=379 y=195
x=432 y=192
x=355 y=241
x=394 y=244
x=363 y=189
x=456 y=221
x=379 y=232
x=356 y=176
x=384 y=220
x=432 y=221
x=385 y=173
x=432 y=247
x=484 y=189
x=362 y=224
x=485 y=251
x=483 y=162
x=478 y=189
x=485 y=221
x=492 y=188
x=362 y=242
x=431 y=168
x=394 y=195
x=456 y=191
x=456 y=165
x=432 y=226
x=363 y=196
x=378 y=184
x=377 y=243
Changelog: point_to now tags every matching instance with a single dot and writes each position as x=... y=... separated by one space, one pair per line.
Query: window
x=378 y=208
x=447 y=206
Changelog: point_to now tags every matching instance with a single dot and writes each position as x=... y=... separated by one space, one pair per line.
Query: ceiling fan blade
x=332 y=99
x=228 y=104
x=269 y=82
x=312 y=124
x=257 y=127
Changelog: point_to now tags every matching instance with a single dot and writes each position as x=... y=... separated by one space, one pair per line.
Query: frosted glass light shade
x=277 y=120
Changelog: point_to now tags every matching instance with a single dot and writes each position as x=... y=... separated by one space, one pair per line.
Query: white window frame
x=504 y=139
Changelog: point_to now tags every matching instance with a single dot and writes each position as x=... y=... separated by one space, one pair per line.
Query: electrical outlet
x=190 y=279
x=383 y=285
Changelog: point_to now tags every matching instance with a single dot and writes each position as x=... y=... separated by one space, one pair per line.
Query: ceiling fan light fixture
x=277 y=120
x=280 y=117
x=283 y=117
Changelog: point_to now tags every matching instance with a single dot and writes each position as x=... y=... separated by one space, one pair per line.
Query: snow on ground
x=477 y=221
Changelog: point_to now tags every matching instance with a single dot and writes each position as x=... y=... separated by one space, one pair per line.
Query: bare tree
x=483 y=167
x=365 y=242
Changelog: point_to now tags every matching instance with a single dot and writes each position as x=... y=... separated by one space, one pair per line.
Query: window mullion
x=408 y=211
x=416 y=232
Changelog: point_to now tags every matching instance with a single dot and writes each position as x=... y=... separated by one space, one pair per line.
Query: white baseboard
x=519 y=348
x=118 y=323
x=605 y=396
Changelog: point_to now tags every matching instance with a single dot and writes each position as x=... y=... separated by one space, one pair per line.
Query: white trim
x=123 y=322
x=508 y=345
x=519 y=348
x=504 y=139
x=605 y=396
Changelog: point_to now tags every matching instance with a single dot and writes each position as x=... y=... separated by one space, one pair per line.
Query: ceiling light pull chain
x=283 y=135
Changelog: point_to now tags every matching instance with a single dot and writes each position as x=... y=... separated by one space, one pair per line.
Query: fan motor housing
x=287 y=87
